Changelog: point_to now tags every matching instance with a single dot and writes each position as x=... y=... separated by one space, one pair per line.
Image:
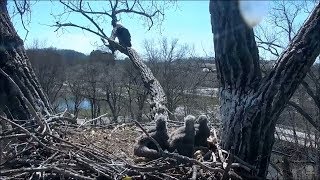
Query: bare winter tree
x=169 y=63
x=98 y=19
x=114 y=90
x=92 y=79
x=285 y=19
x=50 y=70
x=137 y=94
x=75 y=85
x=21 y=95
x=250 y=104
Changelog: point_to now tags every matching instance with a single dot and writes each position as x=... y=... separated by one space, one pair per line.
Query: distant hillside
x=66 y=53
x=71 y=54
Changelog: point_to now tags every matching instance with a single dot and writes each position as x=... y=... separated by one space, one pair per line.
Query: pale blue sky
x=189 y=22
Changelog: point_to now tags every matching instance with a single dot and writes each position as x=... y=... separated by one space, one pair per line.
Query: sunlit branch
x=85 y=15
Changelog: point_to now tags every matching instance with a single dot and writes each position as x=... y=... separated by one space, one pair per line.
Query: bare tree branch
x=116 y=8
x=85 y=15
x=311 y=93
x=304 y=114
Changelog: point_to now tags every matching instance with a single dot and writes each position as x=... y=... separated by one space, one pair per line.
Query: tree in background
x=92 y=78
x=75 y=88
x=284 y=19
x=50 y=70
x=250 y=104
x=178 y=74
x=137 y=95
x=102 y=15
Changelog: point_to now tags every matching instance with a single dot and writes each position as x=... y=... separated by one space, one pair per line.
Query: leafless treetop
x=98 y=15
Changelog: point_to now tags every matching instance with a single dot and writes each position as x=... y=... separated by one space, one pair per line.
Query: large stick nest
x=58 y=149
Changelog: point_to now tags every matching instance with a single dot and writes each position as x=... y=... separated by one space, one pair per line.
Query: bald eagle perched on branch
x=121 y=33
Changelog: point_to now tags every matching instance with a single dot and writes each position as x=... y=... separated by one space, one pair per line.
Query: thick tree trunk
x=317 y=142
x=18 y=83
x=250 y=105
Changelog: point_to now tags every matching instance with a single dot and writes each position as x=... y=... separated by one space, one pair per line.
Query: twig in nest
x=225 y=175
x=85 y=122
x=27 y=132
x=70 y=174
x=91 y=166
x=244 y=164
x=218 y=147
x=166 y=176
x=43 y=125
x=22 y=170
x=150 y=168
x=14 y=136
x=194 y=172
x=49 y=159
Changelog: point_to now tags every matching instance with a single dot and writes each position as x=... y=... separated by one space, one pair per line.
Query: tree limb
x=315 y=98
x=294 y=63
x=305 y=115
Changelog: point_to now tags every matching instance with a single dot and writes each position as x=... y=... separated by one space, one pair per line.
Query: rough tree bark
x=19 y=87
x=250 y=105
